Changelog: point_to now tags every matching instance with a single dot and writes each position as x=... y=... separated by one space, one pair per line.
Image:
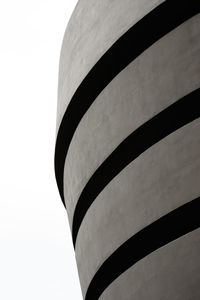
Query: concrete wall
x=92 y=29
x=172 y=272
x=163 y=178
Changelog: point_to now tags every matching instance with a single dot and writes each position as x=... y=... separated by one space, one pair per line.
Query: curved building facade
x=127 y=156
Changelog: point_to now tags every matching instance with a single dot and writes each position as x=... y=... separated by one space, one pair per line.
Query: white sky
x=36 y=253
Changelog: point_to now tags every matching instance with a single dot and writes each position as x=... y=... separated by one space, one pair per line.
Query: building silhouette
x=127 y=156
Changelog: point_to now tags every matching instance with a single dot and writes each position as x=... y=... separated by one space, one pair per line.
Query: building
x=127 y=157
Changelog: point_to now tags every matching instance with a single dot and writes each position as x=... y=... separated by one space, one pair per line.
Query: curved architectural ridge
x=160 y=21
x=127 y=158
x=163 y=231
x=170 y=119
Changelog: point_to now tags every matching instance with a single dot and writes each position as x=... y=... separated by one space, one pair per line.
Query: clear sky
x=36 y=254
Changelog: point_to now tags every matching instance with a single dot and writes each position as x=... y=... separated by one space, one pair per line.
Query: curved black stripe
x=163 y=231
x=137 y=39
x=167 y=121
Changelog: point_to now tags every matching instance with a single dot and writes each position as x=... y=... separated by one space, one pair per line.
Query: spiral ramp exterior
x=127 y=155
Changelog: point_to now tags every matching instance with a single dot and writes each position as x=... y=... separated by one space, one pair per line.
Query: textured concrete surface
x=164 y=177
x=171 y=272
x=94 y=26
x=138 y=93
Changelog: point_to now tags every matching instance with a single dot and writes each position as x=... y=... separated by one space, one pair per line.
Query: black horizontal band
x=163 y=231
x=160 y=21
x=167 y=121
